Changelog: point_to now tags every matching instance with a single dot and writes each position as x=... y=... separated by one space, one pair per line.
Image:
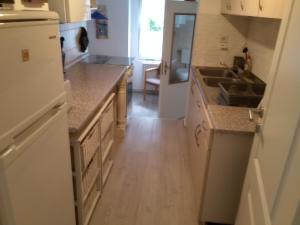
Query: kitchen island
x=91 y=84
x=96 y=117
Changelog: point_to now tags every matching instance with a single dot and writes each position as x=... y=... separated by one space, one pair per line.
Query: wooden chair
x=154 y=80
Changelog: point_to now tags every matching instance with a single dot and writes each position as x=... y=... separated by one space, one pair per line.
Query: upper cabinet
x=71 y=10
x=257 y=8
x=271 y=8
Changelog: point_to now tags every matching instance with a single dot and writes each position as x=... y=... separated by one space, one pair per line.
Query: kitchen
x=71 y=153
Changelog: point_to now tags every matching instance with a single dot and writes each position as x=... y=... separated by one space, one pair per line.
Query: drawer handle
x=228 y=5
x=260 y=5
x=242 y=6
x=198 y=130
x=198 y=104
x=192 y=87
x=204 y=126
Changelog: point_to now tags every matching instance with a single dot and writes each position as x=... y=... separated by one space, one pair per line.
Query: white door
x=265 y=199
x=180 y=18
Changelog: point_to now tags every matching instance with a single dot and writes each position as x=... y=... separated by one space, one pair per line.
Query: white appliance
x=35 y=166
x=39 y=5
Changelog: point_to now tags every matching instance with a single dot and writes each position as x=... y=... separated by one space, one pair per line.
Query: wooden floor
x=140 y=108
x=150 y=182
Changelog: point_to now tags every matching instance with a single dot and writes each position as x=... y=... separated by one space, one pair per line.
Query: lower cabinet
x=199 y=133
x=218 y=163
x=92 y=160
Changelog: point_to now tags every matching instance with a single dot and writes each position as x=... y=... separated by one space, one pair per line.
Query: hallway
x=150 y=182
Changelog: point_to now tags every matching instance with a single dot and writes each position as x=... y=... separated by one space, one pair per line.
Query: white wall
x=71 y=32
x=134 y=27
x=260 y=34
x=211 y=26
x=261 y=40
x=117 y=43
x=210 y=7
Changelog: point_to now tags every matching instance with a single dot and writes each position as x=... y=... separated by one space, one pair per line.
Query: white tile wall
x=260 y=34
x=209 y=30
x=71 y=32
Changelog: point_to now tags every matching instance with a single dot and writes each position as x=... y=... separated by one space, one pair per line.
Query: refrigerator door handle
x=29 y=135
x=7 y=156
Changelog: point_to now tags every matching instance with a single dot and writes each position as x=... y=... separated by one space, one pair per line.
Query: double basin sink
x=235 y=90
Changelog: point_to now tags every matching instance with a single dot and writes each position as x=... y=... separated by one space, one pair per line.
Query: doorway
x=179 y=25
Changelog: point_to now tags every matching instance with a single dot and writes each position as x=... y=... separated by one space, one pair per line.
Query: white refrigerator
x=35 y=166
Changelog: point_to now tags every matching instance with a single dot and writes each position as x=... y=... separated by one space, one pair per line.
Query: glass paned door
x=182 y=44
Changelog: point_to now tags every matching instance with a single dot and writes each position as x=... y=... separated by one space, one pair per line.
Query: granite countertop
x=232 y=119
x=223 y=118
x=111 y=60
x=90 y=85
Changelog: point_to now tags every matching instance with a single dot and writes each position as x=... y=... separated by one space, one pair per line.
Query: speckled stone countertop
x=90 y=85
x=223 y=118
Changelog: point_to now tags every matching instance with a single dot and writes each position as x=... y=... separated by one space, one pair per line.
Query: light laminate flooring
x=150 y=182
x=140 y=108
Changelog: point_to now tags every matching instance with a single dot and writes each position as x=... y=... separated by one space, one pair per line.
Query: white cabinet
x=225 y=8
x=256 y=8
x=240 y=7
x=199 y=135
x=71 y=10
x=271 y=8
x=218 y=162
x=250 y=7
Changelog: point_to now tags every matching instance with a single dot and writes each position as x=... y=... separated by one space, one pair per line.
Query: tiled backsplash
x=71 y=32
x=260 y=34
x=209 y=31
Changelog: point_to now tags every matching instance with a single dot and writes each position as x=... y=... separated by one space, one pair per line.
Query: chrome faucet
x=228 y=69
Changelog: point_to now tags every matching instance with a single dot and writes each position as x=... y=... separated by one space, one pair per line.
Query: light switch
x=25 y=55
x=224 y=42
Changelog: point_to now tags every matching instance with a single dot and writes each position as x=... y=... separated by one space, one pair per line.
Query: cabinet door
x=78 y=10
x=270 y=8
x=199 y=150
x=225 y=6
x=189 y=117
x=71 y=10
x=237 y=7
x=199 y=162
x=233 y=7
x=250 y=7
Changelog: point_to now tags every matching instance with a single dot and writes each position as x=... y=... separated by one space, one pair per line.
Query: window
x=151 y=29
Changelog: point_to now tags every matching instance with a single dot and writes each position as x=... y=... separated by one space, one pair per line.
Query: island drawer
x=89 y=177
x=89 y=146
x=106 y=143
x=107 y=118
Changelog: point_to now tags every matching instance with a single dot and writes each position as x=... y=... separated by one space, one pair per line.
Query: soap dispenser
x=248 y=61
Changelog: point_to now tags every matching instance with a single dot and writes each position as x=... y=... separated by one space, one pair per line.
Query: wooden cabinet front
x=256 y=8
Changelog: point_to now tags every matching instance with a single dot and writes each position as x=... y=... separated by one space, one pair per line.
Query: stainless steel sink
x=214 y=81
x=216 y=72
x=241 y=94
